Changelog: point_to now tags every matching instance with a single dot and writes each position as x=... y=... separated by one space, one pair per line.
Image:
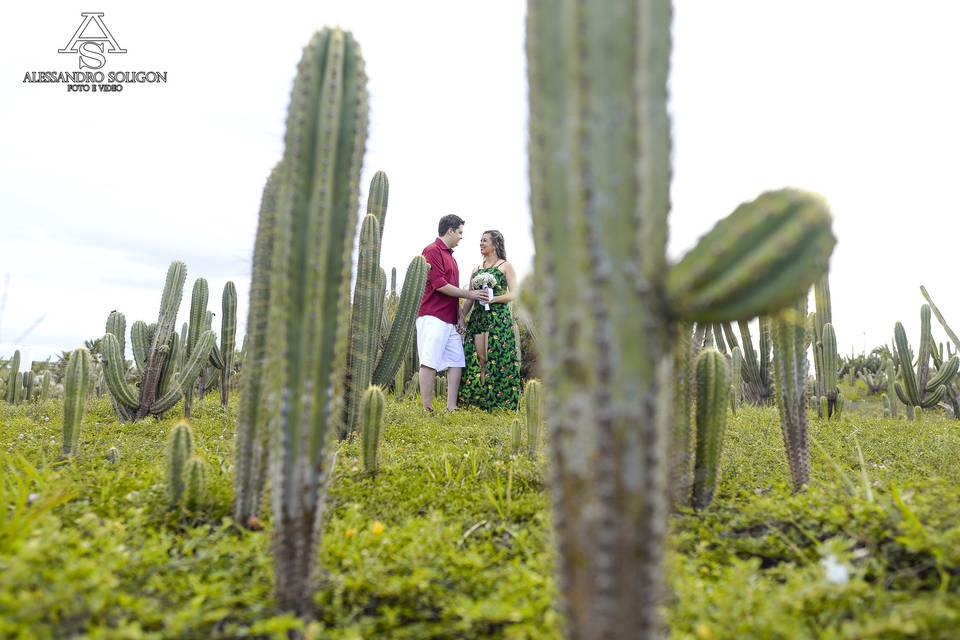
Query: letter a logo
x=88 y=41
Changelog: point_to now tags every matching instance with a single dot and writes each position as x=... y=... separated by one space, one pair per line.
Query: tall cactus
x=198 y=317
x=28 y=379
x=228 y=339
x=533 y=400
x=195 y=483
x=308 y=316
x=736 y=367
x=400 y=341
x=919 y=389
x=891 y=381
x=713 y=389
x=822 y=315
x=12 y=377
x=830 y=365
x=364 y=323
x=371 y=426
x=790 y=369
x=599 y=187
x=758 y=384
x=257 y=412
x=75 y=385
x=179 y=451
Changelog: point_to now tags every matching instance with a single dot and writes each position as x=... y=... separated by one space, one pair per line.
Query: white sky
x=98 y=193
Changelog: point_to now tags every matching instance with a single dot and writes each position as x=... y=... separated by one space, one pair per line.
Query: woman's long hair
x=497 y=238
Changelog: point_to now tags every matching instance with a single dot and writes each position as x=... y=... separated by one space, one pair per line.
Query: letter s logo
x=91 y=55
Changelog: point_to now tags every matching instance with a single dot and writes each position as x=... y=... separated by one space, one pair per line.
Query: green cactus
x=822 y=315
x=45 y=386
x=364 y=322
x=891 y=377
x=195 y=483
x=686 y=345
x=533 y=400
x=179 y=451
x=401 y=337
x=256 y=412
x=117 y=325
x=139 y=340
x=950 y=395
x=790 y=375
x=308 y=318
x=919 y=388
x=713 y=388
x=516 y=437
x=198 y=318
x=75 y=385
x=28 y=378
x=830 y=363
x=398 y=381
x=12 y=385
x=18 y=388
x=758 y=384
x=736 y=367
x=371 y=425
x=599 y=187
x=887 y=406
x=228 y=339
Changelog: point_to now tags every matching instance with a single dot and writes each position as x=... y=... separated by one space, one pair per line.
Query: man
x=439 y=322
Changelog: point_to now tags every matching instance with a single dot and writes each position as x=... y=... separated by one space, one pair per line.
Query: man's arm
x=457 y=292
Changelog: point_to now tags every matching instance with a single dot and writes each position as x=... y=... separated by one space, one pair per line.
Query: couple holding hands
x=477 y=336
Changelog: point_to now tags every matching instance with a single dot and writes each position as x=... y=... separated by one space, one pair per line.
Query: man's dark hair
x=450 y=221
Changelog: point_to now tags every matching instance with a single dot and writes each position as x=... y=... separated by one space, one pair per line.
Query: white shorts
x=438 y=344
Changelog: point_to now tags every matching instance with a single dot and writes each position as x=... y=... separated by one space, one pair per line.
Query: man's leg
x=453 y=386
x=427 y=376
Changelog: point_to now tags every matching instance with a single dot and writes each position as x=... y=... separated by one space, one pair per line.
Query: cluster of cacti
x=823 y=341
x=76 y=382
x=156 y=351
x=371 y=426
x=875 y=382
x=300 y=308
x=951 y=390
x=186 y=472
x=599 y=184
x=921 y=387
x=17 y=386
x=756 y=372
x=379 y=341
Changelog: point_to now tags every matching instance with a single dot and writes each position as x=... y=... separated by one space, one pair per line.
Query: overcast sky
x=100 y=192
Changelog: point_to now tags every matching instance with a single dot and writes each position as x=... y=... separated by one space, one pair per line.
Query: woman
x=491 y=379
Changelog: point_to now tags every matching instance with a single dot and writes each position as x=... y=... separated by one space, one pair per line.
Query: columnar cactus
x=822 y=315
x=950 y=394
x=228 y=339
x=790 y=369
x=18 y=388
x=12 y=377
x=829 y=366
x=713 y=389
x=401 y=337
x=139 y=339
x=198 y=317
x=758 y=384
x=516 y=436
x=533 y=400
x=117 y=325
x=371 y=426
x=308 y=316
x=599 y=187
x=736 y=367
x=45 y=386
x=891 y=381
x=195 y=483
x=28 y=379
x=75 y=385
x=257 y=413
x=364 y=323
x=179 y=451
x=919 y=388
x=687 y=345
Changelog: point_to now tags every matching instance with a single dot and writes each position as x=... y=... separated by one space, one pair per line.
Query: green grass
x=452 y=538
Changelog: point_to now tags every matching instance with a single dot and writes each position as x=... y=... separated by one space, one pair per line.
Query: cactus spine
x=790 y=375
x=75 y=387
x=533 y=394
x=713 y=388
x=257 y=413
x=371 y=425
x=179 y=451
x=228 y=339
x=308 y=318
x=599 y=187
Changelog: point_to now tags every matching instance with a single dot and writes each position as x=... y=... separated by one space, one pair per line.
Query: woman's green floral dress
x=501 y=387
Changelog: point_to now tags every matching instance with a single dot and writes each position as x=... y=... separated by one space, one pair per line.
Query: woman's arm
x=511 y=276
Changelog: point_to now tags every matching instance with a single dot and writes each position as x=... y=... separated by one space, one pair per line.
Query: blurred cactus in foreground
x=599 y=186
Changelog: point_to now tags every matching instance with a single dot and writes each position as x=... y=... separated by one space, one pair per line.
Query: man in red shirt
x=439 y=322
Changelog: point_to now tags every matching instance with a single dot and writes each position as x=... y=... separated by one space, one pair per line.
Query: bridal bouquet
x=485 y=281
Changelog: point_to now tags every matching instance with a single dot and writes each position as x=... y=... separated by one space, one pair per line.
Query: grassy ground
x=452 y=538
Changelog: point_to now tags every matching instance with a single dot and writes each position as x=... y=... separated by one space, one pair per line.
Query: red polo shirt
x=443 y=270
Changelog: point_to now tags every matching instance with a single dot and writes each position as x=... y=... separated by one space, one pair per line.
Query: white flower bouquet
x=486 y=281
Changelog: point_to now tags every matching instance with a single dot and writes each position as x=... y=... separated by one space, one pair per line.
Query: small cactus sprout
x=179 y=451
x=75 y=386
x=371 y=426
x=534 y=401
x=713 y=388
x=195 y=483
x=516 y=436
